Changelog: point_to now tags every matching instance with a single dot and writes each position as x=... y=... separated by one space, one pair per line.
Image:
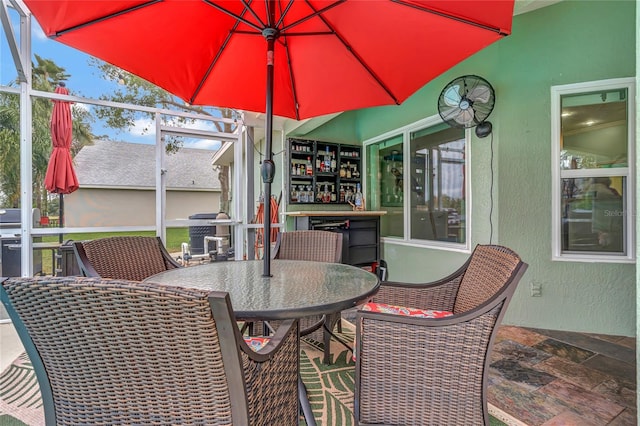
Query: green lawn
x=175 y=237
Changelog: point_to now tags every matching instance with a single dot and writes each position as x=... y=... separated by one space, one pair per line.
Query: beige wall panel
x=122 y=207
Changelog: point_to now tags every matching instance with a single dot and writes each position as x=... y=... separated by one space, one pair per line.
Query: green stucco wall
x=569 y=42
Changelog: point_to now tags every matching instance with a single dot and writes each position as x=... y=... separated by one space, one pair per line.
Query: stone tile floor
x=549 y=378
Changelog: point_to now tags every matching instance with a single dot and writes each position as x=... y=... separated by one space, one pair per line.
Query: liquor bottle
x=348 y=195
x=294 y=170
x=326 y=197
x=342 y=194
x=318 y=168
x=358 y=197
x=327 y=160
x=309 y=194
x=333 y=162
x=333 y=193
x=309 y=168
x=348 y=170
x=343 y=171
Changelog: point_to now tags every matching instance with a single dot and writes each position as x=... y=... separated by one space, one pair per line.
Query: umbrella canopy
x=330 y=56
x=294 y=59
x=61 y=177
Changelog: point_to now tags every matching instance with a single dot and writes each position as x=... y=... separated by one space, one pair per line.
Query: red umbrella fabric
x=321 y=56
x=61 y=177
x=330 y=56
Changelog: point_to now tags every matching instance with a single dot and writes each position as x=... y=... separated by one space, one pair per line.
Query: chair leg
x=305 y=405
x=328 y=333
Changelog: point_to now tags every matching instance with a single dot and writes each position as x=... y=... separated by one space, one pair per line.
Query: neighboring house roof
x=111 y=164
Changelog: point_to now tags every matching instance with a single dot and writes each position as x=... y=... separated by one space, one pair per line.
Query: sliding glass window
x=419 y=176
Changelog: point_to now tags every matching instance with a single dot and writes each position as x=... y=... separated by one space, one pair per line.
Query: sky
x=85 y=81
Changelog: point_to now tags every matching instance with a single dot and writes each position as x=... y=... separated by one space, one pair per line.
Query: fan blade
x=465 y=117
x=479 y=94
x=449 y=114
x=452 y=95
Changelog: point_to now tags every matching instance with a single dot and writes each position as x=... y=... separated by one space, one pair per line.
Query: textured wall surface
x=568 y=42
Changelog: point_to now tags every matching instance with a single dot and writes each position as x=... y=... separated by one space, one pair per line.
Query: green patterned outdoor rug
x=20 y=402
x=330 y=387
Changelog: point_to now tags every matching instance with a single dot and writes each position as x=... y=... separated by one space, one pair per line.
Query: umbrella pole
x=60 y=217
x=268 y=169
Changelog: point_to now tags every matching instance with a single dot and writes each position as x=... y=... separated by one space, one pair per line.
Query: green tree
x=46 y=75
x=137 y=91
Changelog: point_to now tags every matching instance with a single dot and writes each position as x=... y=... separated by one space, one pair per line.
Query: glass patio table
x=296 y=289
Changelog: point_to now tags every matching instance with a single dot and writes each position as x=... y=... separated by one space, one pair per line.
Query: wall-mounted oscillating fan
x=466 y=102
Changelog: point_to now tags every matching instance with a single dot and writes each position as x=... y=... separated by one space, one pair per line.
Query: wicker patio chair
x=123 y=352
x=319 y=246
x=432 y=370
x=128 y=258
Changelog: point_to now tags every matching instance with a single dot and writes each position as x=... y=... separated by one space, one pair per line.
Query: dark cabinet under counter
x=360 y=232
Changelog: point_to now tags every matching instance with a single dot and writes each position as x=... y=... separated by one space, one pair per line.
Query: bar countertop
x=337 y=213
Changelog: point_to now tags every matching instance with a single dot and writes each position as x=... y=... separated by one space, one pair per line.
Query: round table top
x=295 y=289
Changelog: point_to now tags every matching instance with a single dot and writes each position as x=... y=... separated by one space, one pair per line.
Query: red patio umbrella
x=295 y=59
x=61 y=177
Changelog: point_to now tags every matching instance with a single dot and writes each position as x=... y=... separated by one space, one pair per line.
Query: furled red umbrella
x=321 y=56
x=61 y=177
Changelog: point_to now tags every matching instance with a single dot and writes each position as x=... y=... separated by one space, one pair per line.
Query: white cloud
x=146 y=128
x=82 y=107
x=143 y=127
x=203 y=144
x=37 y=31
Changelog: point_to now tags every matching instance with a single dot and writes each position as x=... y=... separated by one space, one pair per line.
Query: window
x=593 y=184
x=425 y=195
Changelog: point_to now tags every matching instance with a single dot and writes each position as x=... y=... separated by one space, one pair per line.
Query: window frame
x=557 y=174
x=406 y=240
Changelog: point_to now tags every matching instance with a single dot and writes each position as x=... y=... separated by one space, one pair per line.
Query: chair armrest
x=271 y=377
x=169 y=262
x=438 y=295
x=86 y=269
x=286 y=331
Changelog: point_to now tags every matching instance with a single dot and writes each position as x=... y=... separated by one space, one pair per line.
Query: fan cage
x=466 y=101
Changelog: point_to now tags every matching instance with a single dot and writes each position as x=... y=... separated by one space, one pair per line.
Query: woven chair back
x=121 y=352
x=128 y=258
x=489 y=269
x=319 y=246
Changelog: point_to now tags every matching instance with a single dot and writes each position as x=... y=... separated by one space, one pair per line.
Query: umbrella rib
x=293 y=80
x=314 y=14
x=452 y=17
x=283 y=13
x=220 y=50
x=104 y=18
x=360 y=60
x=239 y=18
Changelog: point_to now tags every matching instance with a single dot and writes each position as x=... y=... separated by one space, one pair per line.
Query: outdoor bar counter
x=360 y=231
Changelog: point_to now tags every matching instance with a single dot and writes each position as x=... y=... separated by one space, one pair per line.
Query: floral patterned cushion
x=256 y=343
x=401 y=310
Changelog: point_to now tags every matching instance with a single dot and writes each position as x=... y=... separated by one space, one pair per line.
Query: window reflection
x=421 y=186
x=437 y=184
x=594 y=130
x=593 y=214
x=387 y=160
